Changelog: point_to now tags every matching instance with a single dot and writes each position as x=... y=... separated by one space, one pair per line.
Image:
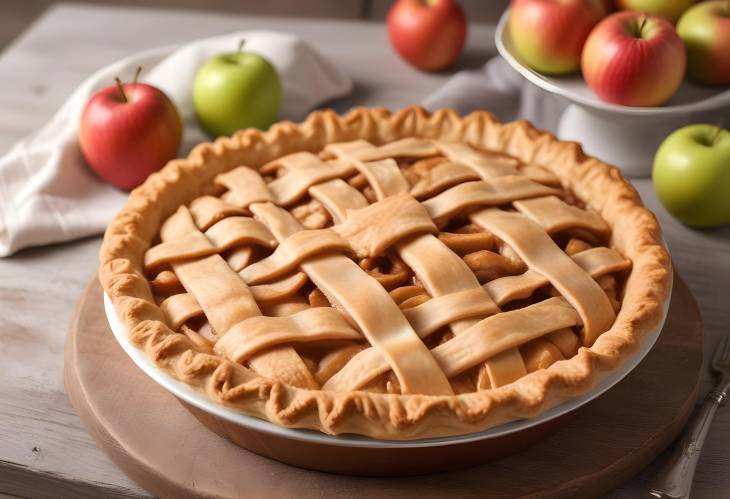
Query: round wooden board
x=163 y=447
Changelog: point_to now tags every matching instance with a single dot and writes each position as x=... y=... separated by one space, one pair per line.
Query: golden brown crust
x=636 y=234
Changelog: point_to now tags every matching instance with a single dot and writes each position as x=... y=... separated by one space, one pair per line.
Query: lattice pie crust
x=394 y=275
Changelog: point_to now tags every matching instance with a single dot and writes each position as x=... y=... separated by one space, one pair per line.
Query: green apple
x=692 y=175
x=705 y=30
x=236 y=90
x=669 y=9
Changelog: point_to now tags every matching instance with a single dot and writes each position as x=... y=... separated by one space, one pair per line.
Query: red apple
x=549 y=34
x=429 y=34
x=129 y=131
x=634 y=59
x=705 y=29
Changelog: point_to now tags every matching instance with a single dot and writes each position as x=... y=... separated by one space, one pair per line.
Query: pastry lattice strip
x=227 y=300
x=426 y=249
x=455 y=290
x=435 y=313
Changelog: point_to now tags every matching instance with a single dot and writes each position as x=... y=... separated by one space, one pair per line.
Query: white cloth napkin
x=48 y=194
x=501 y=90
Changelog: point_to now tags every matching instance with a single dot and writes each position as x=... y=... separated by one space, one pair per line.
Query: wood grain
x=140 y=426
x=17 y=15
x=38 y=287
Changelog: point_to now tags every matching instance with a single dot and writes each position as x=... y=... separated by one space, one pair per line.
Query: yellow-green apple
x=692 y=175
x=705 y=29
x=634 y=59
x=549 y=34
x=671 y=10
x=429 y=34
x=236 y=90
x=128 y=131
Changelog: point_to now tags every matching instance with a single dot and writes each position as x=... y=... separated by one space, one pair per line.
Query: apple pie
x=396 y=275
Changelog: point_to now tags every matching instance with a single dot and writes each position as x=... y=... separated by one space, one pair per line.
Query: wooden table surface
x=44 y=450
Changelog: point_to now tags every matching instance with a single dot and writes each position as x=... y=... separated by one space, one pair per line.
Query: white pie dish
x=197 y=399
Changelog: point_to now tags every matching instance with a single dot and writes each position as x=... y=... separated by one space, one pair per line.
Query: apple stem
x=121 y=89
x=241 y=44
x=719 y=127
x=136 y=74
x=641 y=26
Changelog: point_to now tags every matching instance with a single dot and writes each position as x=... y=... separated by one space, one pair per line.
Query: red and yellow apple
x=129 y=131
x=634 y=59
x=429 y=34
x=692 y=175
x=671 y=10
x=705 y=30
x=549 y=35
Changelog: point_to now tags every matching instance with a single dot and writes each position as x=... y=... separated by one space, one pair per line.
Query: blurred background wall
x=16 y=15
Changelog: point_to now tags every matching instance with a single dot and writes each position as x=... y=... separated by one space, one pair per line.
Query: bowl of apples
x=632 y=75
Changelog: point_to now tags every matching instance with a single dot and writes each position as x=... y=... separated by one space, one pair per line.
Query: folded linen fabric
x=502 y=91
x=47 y=192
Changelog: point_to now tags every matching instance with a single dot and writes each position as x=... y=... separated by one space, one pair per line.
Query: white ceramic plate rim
x=501 y=39
x=201 y=401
